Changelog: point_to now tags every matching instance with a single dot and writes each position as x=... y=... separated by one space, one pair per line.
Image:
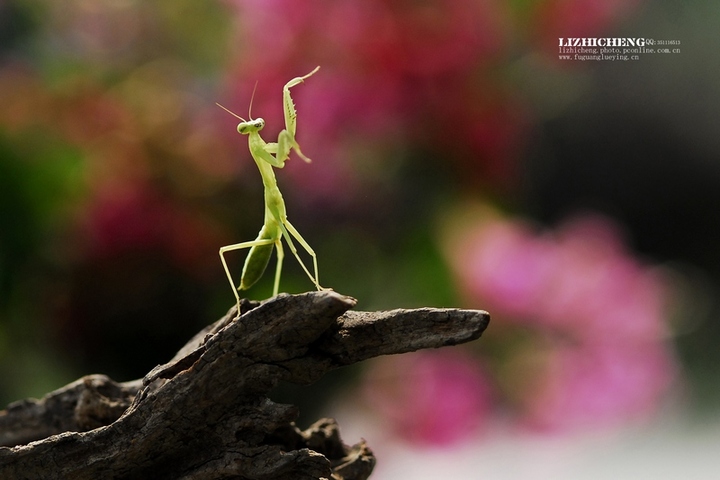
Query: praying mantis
x=276 y=225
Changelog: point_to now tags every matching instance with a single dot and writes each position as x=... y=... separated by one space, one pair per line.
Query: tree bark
x=206 y=414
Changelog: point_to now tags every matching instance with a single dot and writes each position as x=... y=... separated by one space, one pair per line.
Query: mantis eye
x=259 y=123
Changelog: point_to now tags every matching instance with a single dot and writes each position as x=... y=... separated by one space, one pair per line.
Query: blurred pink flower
x=430 y=38
x=600 y=309
x=433 y=398
x=139 y=219
x=596 y=385
x=597 y=281
x=397 y=37
x=503 y=264
x=582 y=18
x=389 y=70
x=579 y=279
x=479 y=127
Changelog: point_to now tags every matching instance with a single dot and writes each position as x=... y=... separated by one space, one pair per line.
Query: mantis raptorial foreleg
x=276 y=226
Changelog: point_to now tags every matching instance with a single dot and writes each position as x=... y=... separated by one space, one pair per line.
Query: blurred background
x=456 y=162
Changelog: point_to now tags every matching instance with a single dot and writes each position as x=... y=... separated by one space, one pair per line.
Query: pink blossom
x=396 y=37
x=504 y=264
x=597 y=385
x=601 y=311
x=430 y=397
x=597 y=281
x=579 y=279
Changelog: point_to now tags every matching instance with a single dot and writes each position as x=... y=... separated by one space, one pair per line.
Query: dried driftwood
x=206 y=414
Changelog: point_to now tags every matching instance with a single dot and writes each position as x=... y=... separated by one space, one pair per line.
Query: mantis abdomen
x=258 y=258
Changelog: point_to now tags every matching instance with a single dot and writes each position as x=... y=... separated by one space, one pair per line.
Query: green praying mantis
x=276 y=225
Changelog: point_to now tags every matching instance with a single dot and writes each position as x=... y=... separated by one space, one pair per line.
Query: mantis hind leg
x=278 y=266
x=240 y=246
x=288 y=230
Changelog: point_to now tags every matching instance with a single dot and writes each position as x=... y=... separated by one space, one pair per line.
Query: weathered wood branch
x=206 y=414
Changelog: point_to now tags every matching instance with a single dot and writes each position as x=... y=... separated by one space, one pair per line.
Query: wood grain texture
x=206 y=415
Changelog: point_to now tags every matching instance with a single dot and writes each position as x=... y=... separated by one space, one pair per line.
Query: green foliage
x=36 y=190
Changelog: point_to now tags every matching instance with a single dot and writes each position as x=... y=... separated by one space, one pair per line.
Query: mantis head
x=246 y=126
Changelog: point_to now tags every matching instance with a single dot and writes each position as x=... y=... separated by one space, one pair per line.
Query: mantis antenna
x=252 y=97
x=230 y=112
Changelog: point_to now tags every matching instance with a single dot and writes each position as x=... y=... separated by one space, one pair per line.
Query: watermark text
x=613 y=49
